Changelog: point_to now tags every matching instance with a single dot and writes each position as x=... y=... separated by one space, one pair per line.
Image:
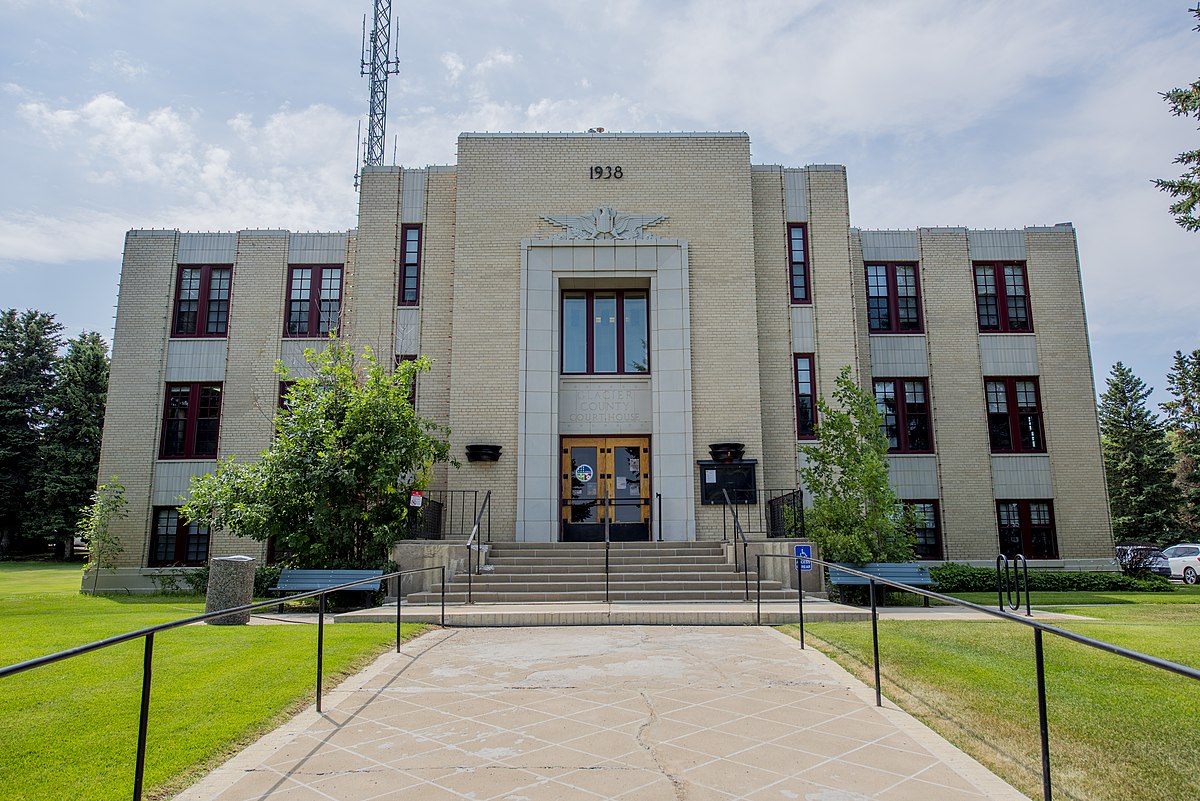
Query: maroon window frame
x=1014 y=410
x=622 y=329
x=412 y=389
x=314 y=300
x=893 y=298
x=904 y=405
x=174 y=543
x=1002 y=297
x=927 y=529
x=1027 y=527
x=410 y=266
x=202 y=300
x=804 y=366
x=284 y=388
x=191 y=421
x=798 y=272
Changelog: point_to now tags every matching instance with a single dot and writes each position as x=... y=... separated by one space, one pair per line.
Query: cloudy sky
x=219 y=115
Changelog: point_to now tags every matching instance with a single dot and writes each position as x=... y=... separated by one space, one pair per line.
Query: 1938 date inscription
x=605 y=173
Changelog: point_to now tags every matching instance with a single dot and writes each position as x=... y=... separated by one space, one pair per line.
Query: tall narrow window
x=314 y=300
x=191 y=421
x=1027 y=527
x=1002 y=298
x=412 y=387
x=903 y=405
x=202 y=301
x=410 y=265
x=925 y=529
x=798 y=262
x=893 y=299
x=174 y=542
x=605 y=332
x=806 y=396
x=1014 y=415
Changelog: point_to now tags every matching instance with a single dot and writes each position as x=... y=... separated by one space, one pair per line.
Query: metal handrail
x=608 y=506
x=485 y=507
x=737 y=530
x=148 y=656
x=1037 y=626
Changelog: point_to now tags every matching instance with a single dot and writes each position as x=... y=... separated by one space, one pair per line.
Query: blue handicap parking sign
x=803 y=554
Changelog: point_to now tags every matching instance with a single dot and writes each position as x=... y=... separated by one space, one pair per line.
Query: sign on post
x=416 y=499
x=803 y=554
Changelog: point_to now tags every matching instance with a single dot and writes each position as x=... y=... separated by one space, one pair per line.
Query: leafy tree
x=108 y=505
x=1183 y=426
x=855 y=515
x=69 y=452
x=1138 y=462
x=29 y=343
x=333 y=488
x=1186 y=189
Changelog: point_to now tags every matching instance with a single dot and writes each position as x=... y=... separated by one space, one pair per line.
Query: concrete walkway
x=632 y=713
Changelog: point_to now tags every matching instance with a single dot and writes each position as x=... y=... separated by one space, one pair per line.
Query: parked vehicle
x=1134 y=558
x=1184 y=559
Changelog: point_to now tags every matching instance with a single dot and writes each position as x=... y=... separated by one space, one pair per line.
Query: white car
x=1185 y=561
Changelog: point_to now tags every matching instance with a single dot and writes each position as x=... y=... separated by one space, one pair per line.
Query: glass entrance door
x=605 y=481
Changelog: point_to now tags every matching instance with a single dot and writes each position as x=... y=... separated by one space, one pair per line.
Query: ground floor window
x=926 y=530
x=1027 y=528
x=174 y=542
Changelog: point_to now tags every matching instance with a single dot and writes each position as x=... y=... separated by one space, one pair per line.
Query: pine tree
x=29 y=343
x=1185 y=102
x=1183 y=426
x=69 y=453
x=1138 y=463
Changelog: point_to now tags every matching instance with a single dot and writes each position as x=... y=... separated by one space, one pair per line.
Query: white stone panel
x=1008 y=354
x=914 y=477
x=207 y=248
x=412 y=200
x=890 y=246
x=996 y=245
x=317 y=248
x=795 y=195
x=408 y=330
x=196 y=359
x=604 y=406
x=899 y=355
x=803 y=338
x=1021 y=476
x=173 y=477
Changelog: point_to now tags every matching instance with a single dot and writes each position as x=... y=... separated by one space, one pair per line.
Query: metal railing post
x=443 y=574
x=758 y=589
x=320 y=644
x=470 y=574
x=399 y=603
x=800 y=601
x=659 y=494
x=1042 y=722
x=875 y=644
x=607 y=534
x=1025 y=573
x=139 y=770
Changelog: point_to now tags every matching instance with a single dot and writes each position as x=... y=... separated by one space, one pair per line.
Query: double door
x=605 y=484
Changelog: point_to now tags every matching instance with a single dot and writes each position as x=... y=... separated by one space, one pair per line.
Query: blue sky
x=220 y=115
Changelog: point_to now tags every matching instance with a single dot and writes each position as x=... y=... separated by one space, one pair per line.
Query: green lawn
x=69 y=730
x=1181 y=595
x=1120 y=731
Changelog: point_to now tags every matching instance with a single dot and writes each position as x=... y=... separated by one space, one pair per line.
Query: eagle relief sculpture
x=604 y=223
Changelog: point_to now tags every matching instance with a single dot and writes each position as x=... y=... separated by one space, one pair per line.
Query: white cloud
x=122 y=65
x=495 y=58
x=454 y=66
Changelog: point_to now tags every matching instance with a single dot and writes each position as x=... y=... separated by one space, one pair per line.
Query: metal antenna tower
x=380 y=65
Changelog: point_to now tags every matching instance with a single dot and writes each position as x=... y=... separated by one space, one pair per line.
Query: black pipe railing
x=770 y=513
x=660 y=518
x=445 y=514
x=1009 y=581
x=148 y=655
x=1038 y=629
x=739 y=534
x=472 y=546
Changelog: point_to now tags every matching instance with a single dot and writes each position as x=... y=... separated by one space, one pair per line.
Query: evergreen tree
x=1183 y=425
x=29 y=343
x=1185 y=102
x=69 y=454
x=1138 y=463
x=855 y=515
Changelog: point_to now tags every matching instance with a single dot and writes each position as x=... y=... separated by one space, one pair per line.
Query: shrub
x=953 y=577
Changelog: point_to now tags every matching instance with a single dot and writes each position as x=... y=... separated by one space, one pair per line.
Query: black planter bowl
x=727 y=451
x=483 y=453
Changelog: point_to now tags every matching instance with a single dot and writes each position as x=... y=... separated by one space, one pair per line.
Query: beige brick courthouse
x=628 y=316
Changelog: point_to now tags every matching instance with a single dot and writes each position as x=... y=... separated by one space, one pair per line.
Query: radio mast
x=377 y=68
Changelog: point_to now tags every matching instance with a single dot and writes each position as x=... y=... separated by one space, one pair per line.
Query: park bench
x=309 y=580
x=912 y=573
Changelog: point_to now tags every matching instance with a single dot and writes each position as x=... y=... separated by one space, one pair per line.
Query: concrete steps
x=678 y=572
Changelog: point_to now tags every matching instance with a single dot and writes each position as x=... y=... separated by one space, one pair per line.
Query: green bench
x=299 y=581
x=912 y=573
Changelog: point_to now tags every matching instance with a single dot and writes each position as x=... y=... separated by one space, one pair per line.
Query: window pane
x=798 y=270
x=986 y=300
x=189 y=301
x=908 y=309
x=574 y=339
x=604 y=333
x=208 y=418
x=175 y=421
x=165 y=529
x=331 y=299
x=805 y=400
x=197 y=545
x=637 y=351
x=885 y=402
x=218 y=301
x=916 y=416
x=299 y=299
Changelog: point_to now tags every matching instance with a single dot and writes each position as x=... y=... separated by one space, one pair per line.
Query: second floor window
x=798 y=262
x=806 y=396
x=893 y=299
x=314 y=300
x=202 y=301
x=1014 y=415
x=410 y=265
x=1002 y=298
x=605 y=331
x=191 y=420
x=903 y=404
